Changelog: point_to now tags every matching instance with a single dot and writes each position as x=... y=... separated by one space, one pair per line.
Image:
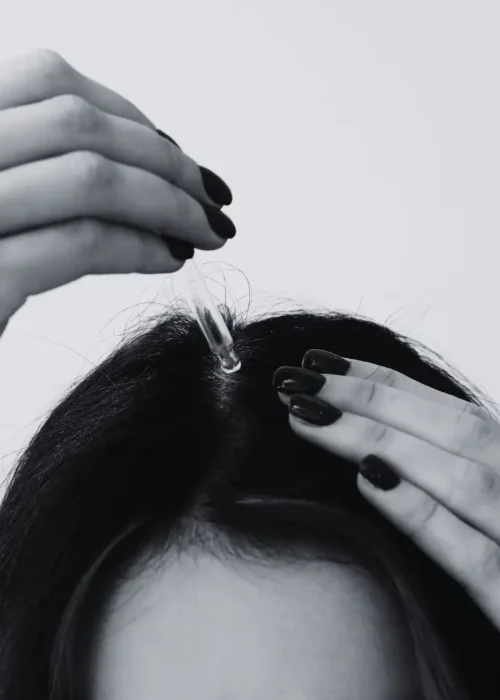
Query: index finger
x=398 y=380
x=41 y=74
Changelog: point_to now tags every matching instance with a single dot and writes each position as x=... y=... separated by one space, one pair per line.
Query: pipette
x=209 y=317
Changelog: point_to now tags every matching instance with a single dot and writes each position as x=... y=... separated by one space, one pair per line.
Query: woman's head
x=166 y=534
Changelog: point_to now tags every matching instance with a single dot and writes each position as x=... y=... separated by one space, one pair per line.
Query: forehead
x=199 y=629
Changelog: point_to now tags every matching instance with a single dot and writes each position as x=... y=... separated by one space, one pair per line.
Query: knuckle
x=423 y=518
x=380 y=434
x=178 y=163
x=88 y=234
x=93 y=172
x=383 y=375
x=366 y=393
x=471 y=430
x=486 y=569
x=51 y=67
x=476 y=411
x=484 y=433
x=372 y=394
x=391 y=378
x=75 y=115
x=473 y=483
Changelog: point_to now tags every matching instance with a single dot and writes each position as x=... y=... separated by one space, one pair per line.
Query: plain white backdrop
x=360 y=140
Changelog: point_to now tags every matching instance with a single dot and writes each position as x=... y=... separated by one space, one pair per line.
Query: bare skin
x=199 y=628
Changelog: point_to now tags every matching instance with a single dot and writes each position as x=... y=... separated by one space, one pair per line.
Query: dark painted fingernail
x=312 y=410
x=325 y=362
x=292 y=380
x=215 y=187
x=219 y=222
x=166 y=136
x=180 y=249
x=379 y=473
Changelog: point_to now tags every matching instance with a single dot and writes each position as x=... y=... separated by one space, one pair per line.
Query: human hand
x=88 y=185
x=439 y=478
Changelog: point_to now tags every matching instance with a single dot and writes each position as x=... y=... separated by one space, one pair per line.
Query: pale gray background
x=361 y=141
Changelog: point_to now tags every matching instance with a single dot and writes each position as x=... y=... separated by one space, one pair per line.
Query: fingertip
x=169 y=138
x=180 y=250
x=215 y=187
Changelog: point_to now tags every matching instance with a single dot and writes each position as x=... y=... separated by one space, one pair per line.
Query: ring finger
x=86 y=184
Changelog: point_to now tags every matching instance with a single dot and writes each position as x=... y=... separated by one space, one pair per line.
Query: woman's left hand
x=440 y=471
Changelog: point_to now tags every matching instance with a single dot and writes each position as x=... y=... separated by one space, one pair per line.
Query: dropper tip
x=229 y=360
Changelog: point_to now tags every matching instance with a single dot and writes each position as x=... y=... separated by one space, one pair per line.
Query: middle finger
x=450 y=429
x=84 y=184
x=69 y=123
x=328 y=363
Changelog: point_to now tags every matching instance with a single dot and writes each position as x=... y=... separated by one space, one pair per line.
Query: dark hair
x=157 y=448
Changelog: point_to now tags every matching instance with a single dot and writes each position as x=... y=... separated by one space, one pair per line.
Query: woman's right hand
x=88 y=186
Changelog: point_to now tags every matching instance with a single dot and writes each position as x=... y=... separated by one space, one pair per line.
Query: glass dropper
x=209 y=317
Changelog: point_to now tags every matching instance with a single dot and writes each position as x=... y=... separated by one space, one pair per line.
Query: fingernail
x=325 y=362
x=219 y=222
x=179 y=249
x=312 y=410
x=166 y=136
x=378 y=473
x=215 y=187
x=292 y=380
